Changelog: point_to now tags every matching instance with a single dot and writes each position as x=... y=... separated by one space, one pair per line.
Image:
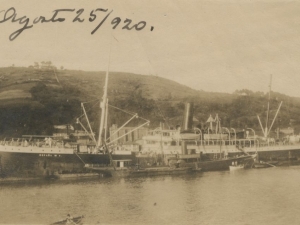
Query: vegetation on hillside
x=56 y=97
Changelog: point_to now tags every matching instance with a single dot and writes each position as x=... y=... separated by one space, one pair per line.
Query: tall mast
x=103 y=106
x=268 y=110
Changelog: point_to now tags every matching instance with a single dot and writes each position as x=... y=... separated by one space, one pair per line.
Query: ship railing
x=247 y=142
x=280 y=143
x=212 y=142
x=29 y=143
x=239 y=142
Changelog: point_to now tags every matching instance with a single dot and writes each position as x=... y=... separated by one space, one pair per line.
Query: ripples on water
x=265 y=196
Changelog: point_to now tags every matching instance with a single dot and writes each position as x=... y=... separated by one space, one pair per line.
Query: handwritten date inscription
x=59 y=16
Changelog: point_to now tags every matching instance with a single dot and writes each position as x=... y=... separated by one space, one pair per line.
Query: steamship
x=186 y=147
x=167 y=152
x=32 y=156
x=218 y=147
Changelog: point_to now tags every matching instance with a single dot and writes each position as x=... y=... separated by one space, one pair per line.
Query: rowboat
x=74 y=220
x=261 y=164
x=236 y=167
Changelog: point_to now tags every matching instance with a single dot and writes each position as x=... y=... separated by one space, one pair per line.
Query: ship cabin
x=122 y=163
x=169 y=142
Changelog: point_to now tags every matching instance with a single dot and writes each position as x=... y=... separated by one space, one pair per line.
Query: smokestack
x=183 y=147
x=188 y=116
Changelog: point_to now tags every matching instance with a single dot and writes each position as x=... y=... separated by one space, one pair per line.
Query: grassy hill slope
x=32 y=101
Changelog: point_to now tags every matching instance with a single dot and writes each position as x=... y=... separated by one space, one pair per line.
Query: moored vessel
x=52 y=156
x=185 y=146
x=135 y=171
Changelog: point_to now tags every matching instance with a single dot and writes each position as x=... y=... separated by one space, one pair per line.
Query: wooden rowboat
x=75 y=220
x=236 y=167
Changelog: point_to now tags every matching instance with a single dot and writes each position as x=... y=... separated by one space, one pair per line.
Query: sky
x=218 y=46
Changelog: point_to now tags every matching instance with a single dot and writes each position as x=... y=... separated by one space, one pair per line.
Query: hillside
x=33 y=100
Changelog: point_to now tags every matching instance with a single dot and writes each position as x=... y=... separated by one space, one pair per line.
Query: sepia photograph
x=150 y=112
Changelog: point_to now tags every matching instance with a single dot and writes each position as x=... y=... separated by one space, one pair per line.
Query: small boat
x=236 y=167
x=160 y=171
x=261 y=164
x=133 y=172
x=74 y=220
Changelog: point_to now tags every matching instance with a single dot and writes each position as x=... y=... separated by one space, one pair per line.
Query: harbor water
x=244 y=197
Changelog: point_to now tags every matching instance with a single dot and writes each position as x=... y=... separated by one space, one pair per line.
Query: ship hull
x=15 y=164
x=278 y=152
x=196 y=161
x=222 y=164
x=283 y=155
x=18 y=161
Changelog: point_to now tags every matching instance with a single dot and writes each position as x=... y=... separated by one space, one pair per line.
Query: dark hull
x=14 y=164
x=283 y=155
x=196 y=161
x=274 y=152
x=34 y=164
x=221 y=164
x=276 y=156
